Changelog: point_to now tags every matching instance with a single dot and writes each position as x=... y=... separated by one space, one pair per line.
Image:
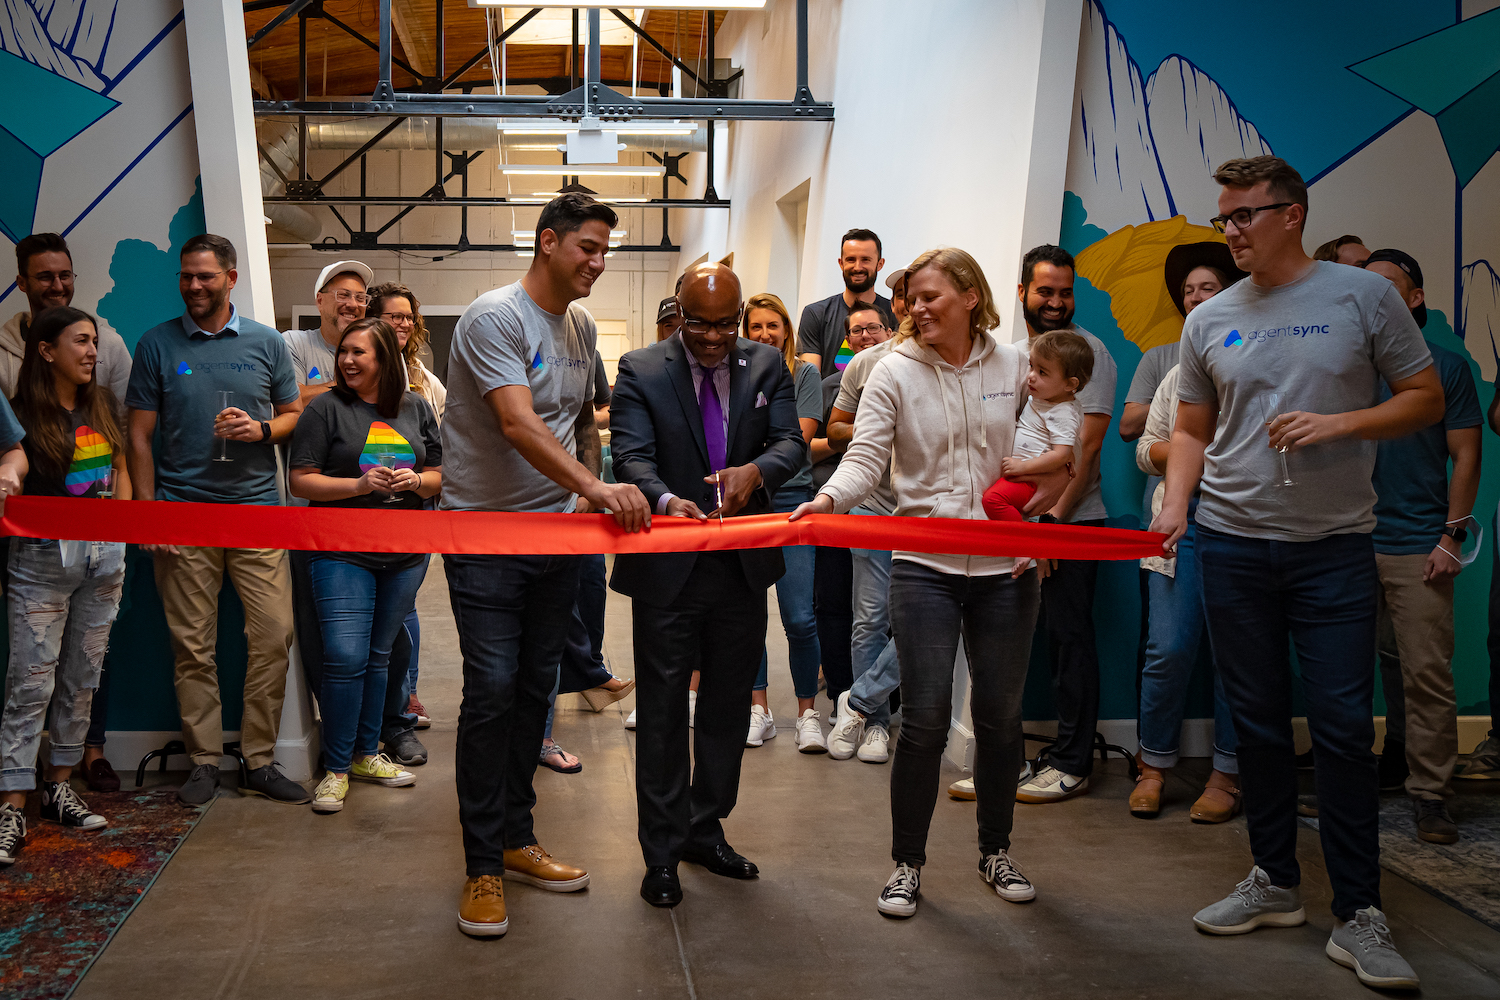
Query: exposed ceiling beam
x=411 y=30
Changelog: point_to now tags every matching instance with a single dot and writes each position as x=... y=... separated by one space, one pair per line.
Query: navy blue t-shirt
x=1411 y=473
x=179 y=374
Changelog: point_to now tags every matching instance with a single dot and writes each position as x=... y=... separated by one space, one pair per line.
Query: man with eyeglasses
x=341 y=293
x=185 y=444
x=1284 y=540
x=705 y=424
x=822 y=329
x=44 y=274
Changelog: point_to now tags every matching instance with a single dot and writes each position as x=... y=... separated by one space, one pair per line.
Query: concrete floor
x=267 y=901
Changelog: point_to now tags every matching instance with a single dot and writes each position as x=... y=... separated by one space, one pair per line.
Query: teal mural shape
x=145 y=276
x=1454 y=76
x=39 y=114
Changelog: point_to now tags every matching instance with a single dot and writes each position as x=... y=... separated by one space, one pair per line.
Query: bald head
x=711 y=303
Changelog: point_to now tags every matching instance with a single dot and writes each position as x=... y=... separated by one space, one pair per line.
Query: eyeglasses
x=202 y=277
x=343 y=296
x=399 y=319
x=702 y=327
x=1242 y=217
x=48 y=277
x=861 y=330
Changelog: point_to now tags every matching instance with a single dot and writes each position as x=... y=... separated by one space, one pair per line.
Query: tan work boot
x=535 y=866
x=1220 y=800
x=481 y=912
x=1145 y=797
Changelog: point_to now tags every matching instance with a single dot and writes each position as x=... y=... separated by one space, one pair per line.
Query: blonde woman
x=940 y=409
x=397 y=305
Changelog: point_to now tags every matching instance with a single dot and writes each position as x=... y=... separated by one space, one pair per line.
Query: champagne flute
x=226 y=400
x=1272 y=403
x=107 y=485
x=387 y=460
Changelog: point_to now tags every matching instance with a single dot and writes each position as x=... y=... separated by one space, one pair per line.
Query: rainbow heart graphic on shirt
x=383 y=440
x=844 y=356
x=92 y=458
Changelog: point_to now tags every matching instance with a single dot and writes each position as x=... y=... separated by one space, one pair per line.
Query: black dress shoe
x=660 y=887
x=722 y=860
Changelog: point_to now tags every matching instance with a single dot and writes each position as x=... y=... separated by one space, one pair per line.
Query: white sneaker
x=963 y=790
x=762 y=727
x=876 y=747
x=808 y=737
x=899 y=897
x=332 y=790
x=692 y=707
x=1051 y=785
x=630 y=720
x=847 y=733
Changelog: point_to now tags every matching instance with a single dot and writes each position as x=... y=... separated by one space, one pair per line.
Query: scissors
x=719 y=496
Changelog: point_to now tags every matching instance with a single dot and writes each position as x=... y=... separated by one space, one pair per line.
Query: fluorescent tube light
x=580 y=170
x=639 y=4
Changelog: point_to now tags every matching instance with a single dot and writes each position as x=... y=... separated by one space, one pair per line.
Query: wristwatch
x=1459 y=535
x=265 y=432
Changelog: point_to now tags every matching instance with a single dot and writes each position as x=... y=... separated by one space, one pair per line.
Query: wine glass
x=106 y=484
x=226 y=400
x=387 y=460
x=1273 y=403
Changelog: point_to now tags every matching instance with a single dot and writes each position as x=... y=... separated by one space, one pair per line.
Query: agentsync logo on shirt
x=538 y=362
x=1235 y=338
x=995 y=395
x=314 y=373
x=183 y=369
x=210 y=366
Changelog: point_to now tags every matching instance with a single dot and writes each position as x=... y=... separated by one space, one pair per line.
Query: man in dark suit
x=702 y=421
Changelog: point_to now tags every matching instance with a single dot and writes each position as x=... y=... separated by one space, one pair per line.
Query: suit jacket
x=657 y=443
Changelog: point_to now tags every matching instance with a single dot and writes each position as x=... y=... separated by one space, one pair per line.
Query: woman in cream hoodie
x=941 y=408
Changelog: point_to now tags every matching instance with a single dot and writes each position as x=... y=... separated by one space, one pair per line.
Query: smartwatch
x=265 y=432
x=1459 y=535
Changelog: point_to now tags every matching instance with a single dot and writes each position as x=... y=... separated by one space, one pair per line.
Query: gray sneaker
x=1484 y=762
x=405 y=749
x=1255 y=902
x=1434 y=825
x=1364 y=945
x=202 y=785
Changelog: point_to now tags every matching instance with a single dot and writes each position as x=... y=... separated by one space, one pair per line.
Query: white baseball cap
x=893 y=277
x=340 y=267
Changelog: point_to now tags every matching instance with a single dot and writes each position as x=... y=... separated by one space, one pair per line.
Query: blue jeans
x=512 y=615
x=794 y=595
x=1175 y=633
x=1321 y=596
x=876 y=674
x=414 y=633
x=60 y=617
x=360 y=612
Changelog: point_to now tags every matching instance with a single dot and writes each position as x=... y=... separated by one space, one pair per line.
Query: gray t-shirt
x=1153 y=367
x=1097 y=397
x=504 y=338
x=1325 y=341
x=312 y=358
x=856 y=375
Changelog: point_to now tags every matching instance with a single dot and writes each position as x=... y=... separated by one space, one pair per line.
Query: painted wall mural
x=1391 y=111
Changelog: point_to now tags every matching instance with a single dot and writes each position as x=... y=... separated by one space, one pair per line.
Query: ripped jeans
x=60 y=617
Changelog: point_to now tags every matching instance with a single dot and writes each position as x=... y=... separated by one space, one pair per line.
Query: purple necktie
x=713 y=420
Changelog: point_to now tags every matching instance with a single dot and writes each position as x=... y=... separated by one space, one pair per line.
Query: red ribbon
x=345 y=529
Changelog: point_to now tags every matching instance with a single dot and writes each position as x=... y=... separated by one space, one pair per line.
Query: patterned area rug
x=1465 y=874
x=69 y=892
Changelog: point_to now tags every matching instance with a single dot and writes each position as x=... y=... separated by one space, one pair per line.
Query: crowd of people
x=1297 y=444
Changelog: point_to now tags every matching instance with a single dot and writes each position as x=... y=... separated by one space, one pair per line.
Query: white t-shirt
x=1043 y=425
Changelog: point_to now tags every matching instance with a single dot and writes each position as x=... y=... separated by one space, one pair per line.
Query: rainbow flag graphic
x=383 y=440
x=91 y=461
x=844 y=355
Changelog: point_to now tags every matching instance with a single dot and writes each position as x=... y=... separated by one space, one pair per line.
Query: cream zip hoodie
x=944 y=430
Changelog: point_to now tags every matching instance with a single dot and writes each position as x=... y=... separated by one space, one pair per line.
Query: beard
x=1041 y=325
x=860 y=287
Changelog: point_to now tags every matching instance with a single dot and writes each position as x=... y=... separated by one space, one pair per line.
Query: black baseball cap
x=667 y=309
x=1413 y=270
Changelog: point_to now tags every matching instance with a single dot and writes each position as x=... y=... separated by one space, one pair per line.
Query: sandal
x=1220 y=800
x=1145 y=797
x=551 y=751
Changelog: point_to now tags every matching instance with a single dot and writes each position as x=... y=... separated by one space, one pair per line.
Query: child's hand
x=1010 y=466
x=1022 y=565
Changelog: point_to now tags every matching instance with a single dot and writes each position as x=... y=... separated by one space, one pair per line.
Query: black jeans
x=512 y=616
x=1494 y=636
x=1321 y=595
x=1068 y=611
x=582 y=665
x=717 y=626
x=833 y=607
x=995 y=616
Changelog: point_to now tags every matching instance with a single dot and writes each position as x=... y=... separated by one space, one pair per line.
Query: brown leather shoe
x=100 y=777
x=481 y=912
x=1220 y=800
x=1145 y=797
x=535 y=866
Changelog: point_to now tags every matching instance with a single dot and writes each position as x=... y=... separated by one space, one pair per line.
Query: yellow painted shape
x=1130 y=265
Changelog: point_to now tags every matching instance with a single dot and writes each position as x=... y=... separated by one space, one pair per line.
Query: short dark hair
x=39 y=243
x=1330 y=250
x=1070 y=351
x=222 y=249
x=863 y=235
x=568 y=212
x=1045 y=254
x=1280 y=177
x=392 y=380
x=860 y=307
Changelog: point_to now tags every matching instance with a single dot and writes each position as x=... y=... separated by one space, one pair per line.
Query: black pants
x=833 y=606
x=717 y=626
x=1494 y=636
x=582 y=665
x=995 y=617
x=1068 y=610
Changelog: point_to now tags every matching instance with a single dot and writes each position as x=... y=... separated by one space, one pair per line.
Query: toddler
x=1061 y=365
